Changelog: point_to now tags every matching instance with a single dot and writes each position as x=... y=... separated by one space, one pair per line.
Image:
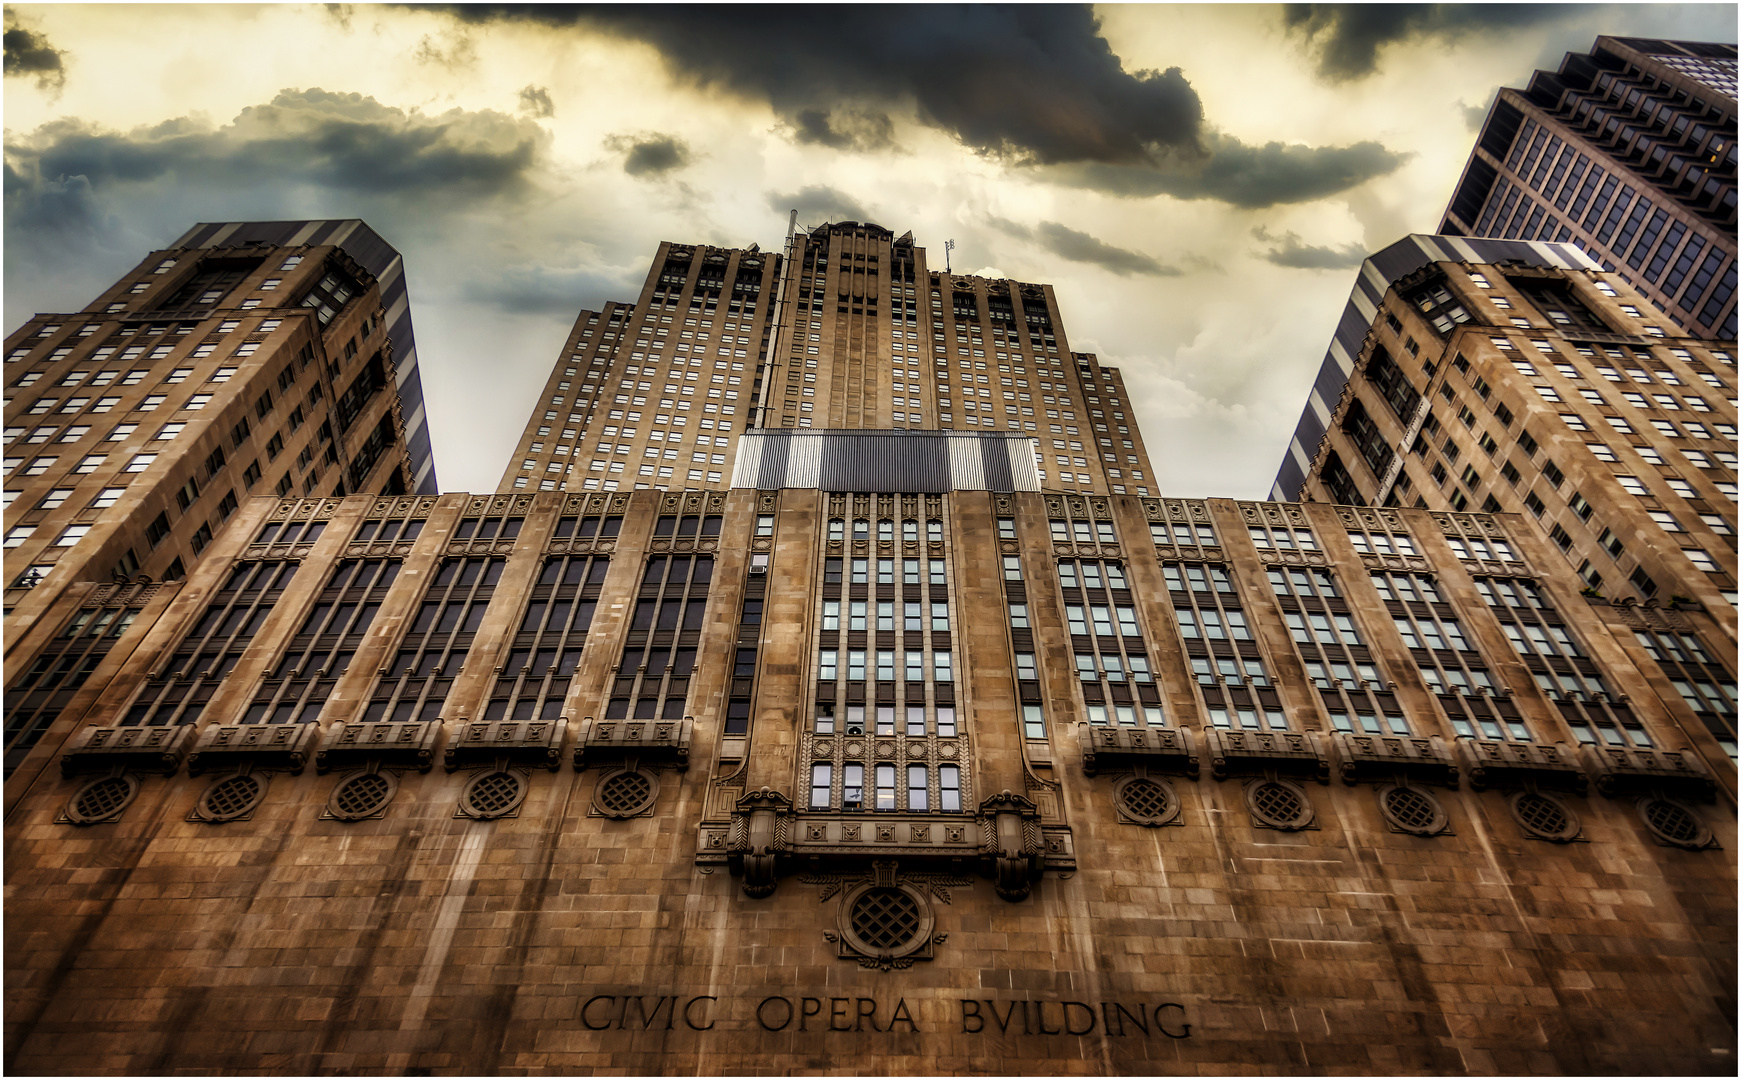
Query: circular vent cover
x=231 y=797
x=1544 y=816
x=625 y=793
x=1412 y=810
x=101 y=799
x=1674 y=823
x=1280 y=804
x=361 y=795
x=1146 y=800
x=885 y=921
x=493 y=794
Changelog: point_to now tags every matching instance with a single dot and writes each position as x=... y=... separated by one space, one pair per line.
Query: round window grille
x=1674 y=823
x=1544 y=816
x=1280 y=804
x=1412 y=810
x=1146 y=801
x=886 y=919
x=625 y=793
x=101 y=799
x=230 y=797
x=360 y=796
x=492 y=794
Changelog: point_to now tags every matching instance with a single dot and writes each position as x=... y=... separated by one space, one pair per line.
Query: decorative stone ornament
x=102 y=799
x=361 y=795
x=1146 y=800
x=1545 y=817
x=230 y=798
x=1279 y=804
x=761 y=831
x=1412 y=810
x=626 y=792
x=885 y=918
x=1674 y=824
x=493 y=793
x=1011 y=840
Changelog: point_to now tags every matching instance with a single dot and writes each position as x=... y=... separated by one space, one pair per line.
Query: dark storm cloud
x=1296 y=254
x=1247 y=176
x=1068 y=243
x=1348 y=37
x=818 y=203
x=346 y=142
x=28 y=53
x=1029 y=83
x=651 y=153
x=535 y=100
x=844 y=129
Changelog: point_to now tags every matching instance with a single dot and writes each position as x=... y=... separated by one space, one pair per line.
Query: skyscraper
x=1628 y=152
x=852 y=329
x=904 y=750
x=248 y=358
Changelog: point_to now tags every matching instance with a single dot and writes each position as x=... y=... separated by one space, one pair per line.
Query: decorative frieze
x=1621 y=771
x=531 y=743
x=1425 y=758
x=653 y=742
x=139 y=749
x=1263 y=753
x=224 y=747
x=1159 y=749
x=406 y=744
x=1497 y=763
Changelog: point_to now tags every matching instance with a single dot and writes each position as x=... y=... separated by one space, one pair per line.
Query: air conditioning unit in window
x=758 y=569
x=855 y=729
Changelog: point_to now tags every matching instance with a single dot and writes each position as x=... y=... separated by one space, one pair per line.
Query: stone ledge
x=536 y=743
x=1493 y=762
x=267 y=746
x=1382 y=757
x=1258 y=753
x=147 y=749
x=1621 y=771
x=1163 y=749
x=405 y=745
x=653 y=742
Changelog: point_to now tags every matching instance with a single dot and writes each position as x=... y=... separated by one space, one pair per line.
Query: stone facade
x=1279 y=866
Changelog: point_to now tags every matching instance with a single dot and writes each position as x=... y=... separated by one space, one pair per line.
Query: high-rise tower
x=851 y=329
x=1628 y=152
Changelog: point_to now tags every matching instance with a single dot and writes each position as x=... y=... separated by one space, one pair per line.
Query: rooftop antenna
x=948 y=246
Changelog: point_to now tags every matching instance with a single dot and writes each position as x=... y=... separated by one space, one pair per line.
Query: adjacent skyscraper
x=1628 y=152
x=248 y=358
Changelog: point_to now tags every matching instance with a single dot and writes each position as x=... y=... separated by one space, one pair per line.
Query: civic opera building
x=828 y=686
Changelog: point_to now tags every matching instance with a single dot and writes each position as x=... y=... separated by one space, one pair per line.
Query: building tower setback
x=851 y=330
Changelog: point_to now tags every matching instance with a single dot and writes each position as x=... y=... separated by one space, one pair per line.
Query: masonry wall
x=557 y=938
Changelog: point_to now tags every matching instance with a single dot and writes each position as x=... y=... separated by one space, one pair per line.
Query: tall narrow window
x=434 y=648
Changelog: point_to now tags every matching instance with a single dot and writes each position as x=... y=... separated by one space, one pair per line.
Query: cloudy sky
x=1199 y=183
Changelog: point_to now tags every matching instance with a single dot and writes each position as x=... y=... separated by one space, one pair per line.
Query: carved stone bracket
x=1011 y=838
x=1266 y=753
x=403 y=745
x=532 y=743
x=1677 y=774
x=1495 y=763
x=654 y=742
x=1385 y=757
x=761 y=832
x=1161 y=749
x=262 y=746
x=139 y=749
